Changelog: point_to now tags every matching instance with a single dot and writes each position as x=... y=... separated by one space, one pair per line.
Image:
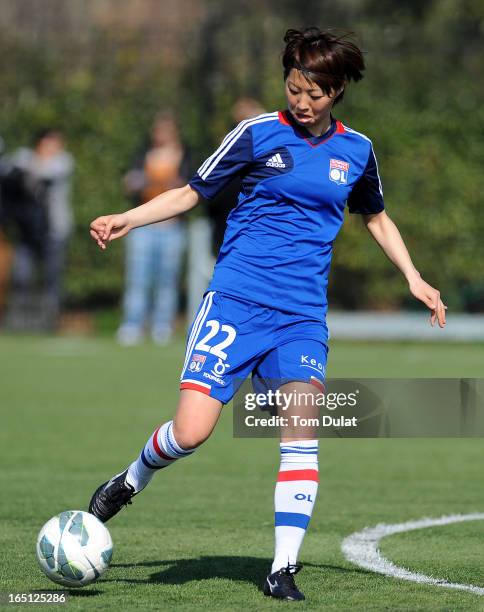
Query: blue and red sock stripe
x=157 y=448
x=148 y=464
x=291 y=475
x=291 y=519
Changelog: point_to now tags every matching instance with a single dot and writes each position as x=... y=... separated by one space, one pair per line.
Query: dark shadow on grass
x=72 y=592
x=81 y=593
x=339 y=568
x=240 y=569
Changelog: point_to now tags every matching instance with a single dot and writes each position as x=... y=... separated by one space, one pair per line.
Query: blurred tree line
x=100 y=69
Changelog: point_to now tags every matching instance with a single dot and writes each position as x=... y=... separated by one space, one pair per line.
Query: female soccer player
x=264 y=311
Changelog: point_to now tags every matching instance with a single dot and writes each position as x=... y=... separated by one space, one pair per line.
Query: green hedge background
x=102 y=79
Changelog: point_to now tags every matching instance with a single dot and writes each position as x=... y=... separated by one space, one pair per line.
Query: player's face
x=308 y=104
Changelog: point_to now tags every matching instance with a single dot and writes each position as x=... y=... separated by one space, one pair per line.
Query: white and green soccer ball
x=74 y=548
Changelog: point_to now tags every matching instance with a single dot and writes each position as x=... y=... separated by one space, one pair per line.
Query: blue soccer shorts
x=230 y=339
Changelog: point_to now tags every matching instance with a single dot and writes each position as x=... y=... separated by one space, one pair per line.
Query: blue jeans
x=153 y=261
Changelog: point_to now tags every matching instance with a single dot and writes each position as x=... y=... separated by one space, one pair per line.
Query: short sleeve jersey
x=278 y=243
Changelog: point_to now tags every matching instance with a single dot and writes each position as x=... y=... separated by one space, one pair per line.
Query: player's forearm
x=386 y=234
x=164 y=206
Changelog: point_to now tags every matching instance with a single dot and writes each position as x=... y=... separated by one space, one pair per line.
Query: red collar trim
x=340 y=128
x=282 y=118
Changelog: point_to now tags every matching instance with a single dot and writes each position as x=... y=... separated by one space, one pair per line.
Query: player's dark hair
x=328 y=59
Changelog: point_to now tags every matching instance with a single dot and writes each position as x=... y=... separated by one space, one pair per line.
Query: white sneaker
x=161 y=337
x=129 y=336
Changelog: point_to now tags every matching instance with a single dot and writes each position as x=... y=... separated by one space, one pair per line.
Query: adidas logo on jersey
x=275 y=161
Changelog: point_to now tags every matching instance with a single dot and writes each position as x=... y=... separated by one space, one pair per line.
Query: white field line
x=361 y=548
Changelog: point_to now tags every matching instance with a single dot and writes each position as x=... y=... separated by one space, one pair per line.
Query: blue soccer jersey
x=279 y=239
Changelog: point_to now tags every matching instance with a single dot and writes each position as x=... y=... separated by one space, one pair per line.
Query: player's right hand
x=107 y=228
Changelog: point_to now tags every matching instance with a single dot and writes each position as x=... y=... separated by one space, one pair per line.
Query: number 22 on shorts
x=216 y=349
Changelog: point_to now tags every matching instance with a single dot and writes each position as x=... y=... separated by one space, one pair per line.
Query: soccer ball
x=74 y=548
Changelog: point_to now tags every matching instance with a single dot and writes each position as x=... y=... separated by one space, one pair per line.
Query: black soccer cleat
x=110 y=497
x=281 y=584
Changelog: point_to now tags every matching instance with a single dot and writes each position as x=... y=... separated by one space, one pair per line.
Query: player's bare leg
x=195 y=418
x=296 y=486
x=301 y=412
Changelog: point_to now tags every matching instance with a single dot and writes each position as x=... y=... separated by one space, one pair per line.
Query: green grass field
x=75 y=411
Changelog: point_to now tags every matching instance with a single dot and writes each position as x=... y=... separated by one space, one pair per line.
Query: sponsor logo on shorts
x=196 y=363
x=216 y=379
x=220 y=367
x=314 y=364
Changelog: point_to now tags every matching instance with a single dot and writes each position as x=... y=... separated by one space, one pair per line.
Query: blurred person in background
x=5 y=249
x=154 y=253
x=219 y=208
x=36 y=186
x=206 y=234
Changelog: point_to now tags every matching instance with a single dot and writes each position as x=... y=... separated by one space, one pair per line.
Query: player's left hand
x=431 y=298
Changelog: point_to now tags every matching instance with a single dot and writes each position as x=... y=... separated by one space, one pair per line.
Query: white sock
x=295 y=494
x=160 y=451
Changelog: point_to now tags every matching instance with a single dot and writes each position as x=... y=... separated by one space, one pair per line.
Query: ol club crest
x=338 y=171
